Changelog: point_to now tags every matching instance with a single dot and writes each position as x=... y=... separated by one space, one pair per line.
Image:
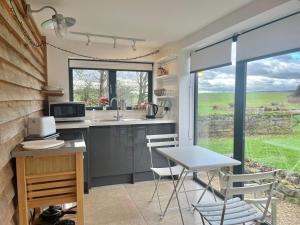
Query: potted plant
x=104 y=102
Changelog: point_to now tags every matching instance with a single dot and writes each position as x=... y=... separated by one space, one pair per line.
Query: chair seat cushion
x=237 y=212
x=165 y=171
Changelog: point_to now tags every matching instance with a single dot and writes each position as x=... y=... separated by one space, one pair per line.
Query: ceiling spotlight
x=133 y=45
x=58 y=22
x=88 y=43
x=115 y=42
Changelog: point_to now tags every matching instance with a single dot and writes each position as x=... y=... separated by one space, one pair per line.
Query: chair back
x=256 y=183
x=160 y=140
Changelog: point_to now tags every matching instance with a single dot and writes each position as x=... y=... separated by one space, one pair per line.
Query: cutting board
x=42 y=144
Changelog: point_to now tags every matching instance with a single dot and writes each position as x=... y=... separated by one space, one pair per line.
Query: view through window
x=132 y=87
x=90 y=85
x=214 y=119
x=273 y=112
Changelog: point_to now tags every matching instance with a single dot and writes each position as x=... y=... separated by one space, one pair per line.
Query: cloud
x=279 y=73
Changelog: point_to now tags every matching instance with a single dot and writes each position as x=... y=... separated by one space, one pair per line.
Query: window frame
x=112 y=84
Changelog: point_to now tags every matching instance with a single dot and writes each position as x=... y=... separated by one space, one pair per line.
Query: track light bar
x=115 y=38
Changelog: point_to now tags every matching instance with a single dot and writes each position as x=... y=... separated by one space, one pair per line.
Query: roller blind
x=215 y=55
x=277 y=37
x=93 y=64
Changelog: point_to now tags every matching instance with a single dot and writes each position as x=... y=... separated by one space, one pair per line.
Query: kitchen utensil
x=53 y=214
x=41 y=126
x=151 y=110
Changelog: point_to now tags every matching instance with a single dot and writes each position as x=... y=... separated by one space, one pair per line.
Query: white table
x=194 y=158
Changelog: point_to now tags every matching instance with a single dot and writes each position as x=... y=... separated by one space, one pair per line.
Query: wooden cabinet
x=119 y=154
x=50 y=177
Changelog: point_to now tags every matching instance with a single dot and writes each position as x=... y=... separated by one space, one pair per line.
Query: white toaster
x=41 y=126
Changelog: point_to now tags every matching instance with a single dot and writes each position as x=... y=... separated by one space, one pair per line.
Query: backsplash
x=109 y=114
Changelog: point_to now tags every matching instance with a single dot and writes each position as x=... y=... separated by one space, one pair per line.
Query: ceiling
x=157 y=21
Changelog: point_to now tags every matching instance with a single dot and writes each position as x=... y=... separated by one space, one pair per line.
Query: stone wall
x=256 y=124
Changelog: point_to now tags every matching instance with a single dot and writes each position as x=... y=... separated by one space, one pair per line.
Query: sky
x=279 y=73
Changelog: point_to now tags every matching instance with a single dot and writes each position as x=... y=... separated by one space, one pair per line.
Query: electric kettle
x=151 y=110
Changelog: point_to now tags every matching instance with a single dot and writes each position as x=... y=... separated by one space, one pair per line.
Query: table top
x=70 y=146
x=197 y=158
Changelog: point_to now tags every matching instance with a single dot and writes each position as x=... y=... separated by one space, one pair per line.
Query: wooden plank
x=10 y=55
x=6 y=174
x=50 y=164
x=16 y=109
x=49 y=185
x=11 y=92
x=22 y=192
x=69 y=198
x=6 y=196
x=7 y=147
x=79 y=189
x=50 y=177
x=51 y=192
x=45 y=60
x=15 y=28
x=24 y=55
x=6 y=217
x=10 y=129
x=18 y=45
x=5 y=9
x=13 y=75
x=21 y=7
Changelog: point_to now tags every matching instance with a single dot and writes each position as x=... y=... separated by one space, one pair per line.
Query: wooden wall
x=23 y=72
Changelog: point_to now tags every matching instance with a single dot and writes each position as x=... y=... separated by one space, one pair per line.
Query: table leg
x=175 y=185
x=206 y=188
x=22 y=191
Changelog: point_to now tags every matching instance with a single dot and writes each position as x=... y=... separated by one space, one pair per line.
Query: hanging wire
x=43 y=43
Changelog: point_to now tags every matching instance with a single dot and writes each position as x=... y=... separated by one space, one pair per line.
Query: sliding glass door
x=215 y=108
x=273 y=114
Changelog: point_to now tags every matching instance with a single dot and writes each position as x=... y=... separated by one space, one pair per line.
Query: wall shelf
x=53 y=93
x=165 y=97
x=166 y=77
x=166 y=59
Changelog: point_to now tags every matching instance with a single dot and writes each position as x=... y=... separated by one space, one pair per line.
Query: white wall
x=253 y=14
x=58 y=74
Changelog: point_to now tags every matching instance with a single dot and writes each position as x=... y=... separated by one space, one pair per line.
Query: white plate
x=42 y=144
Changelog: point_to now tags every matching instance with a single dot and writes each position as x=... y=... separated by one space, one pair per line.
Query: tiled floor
x=128 y=204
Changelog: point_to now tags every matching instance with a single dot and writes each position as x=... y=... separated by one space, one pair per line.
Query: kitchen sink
x=115 y=120
x=131 y=119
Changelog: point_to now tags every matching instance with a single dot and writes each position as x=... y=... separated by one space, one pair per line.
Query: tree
x=85 y=88
x=297 y=92
x=103 y=83
x=142 y=81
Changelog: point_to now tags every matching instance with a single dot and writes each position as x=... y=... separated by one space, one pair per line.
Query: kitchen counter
x=70 y=146
x=99 y=122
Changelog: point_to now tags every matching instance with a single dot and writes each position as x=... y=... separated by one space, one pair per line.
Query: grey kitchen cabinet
x=119 y=154
x=111 y=153
x=141 y=151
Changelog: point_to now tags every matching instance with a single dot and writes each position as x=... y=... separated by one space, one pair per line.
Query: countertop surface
x=70 y=146
x=109 y=122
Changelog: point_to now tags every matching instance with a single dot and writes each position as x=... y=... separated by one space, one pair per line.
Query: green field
x=278 y=151
x=207 y=101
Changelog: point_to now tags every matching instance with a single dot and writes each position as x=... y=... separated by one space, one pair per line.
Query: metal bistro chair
x=163 y=140
x=233 y=211
x=258 y=199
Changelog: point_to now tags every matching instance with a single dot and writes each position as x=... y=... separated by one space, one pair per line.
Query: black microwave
x=67 y=111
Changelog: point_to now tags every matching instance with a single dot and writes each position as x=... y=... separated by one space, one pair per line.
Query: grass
x=206 y=101
x=278 y=151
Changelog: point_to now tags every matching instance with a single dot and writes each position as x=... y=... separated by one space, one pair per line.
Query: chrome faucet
x=118 y=116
